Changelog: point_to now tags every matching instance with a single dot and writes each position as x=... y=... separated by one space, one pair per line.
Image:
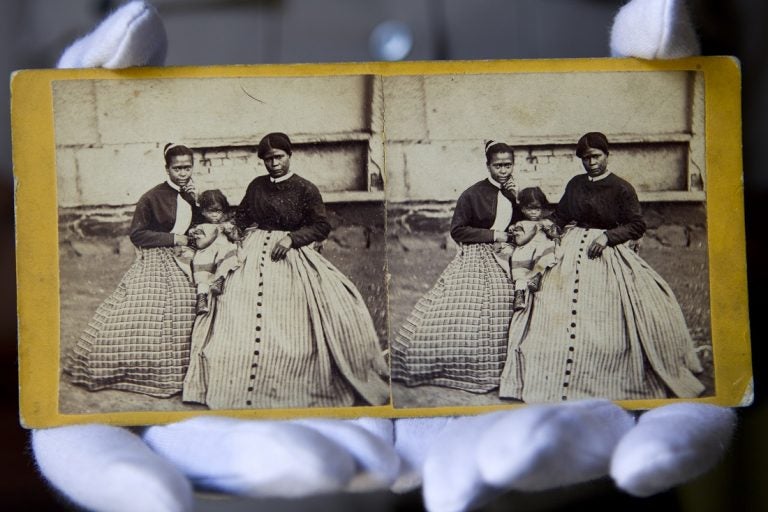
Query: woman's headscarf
x=274 y=140
x=591 y=140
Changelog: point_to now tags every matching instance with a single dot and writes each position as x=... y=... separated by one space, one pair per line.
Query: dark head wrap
x=591 y=140
x=274 y=140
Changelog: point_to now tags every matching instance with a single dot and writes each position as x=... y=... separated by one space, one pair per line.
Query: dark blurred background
x=33 y=33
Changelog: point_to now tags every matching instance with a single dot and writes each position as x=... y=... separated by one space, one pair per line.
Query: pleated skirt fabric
x=289 y=333
x=457 y=334
x=139 y=338
x=607 y=327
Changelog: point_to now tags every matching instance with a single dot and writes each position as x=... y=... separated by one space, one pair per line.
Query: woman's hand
x=281 y=248
x=502 y=236
x=189 y=188
x=551 y=230
x=202 y=240
x=521 y=237
x=597 y=246
x=234 y=234
x=181 y=240
x=509 y=188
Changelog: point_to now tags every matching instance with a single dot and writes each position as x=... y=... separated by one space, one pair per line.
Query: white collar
x=281 y=178
x=601 y=177
x=173 y=185
x=494 y=183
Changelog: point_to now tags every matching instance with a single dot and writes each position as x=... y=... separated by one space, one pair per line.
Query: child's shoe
x=519 y=302
x=217 y=288
x=202 y=303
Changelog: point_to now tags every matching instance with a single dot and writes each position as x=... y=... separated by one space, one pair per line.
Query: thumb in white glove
x=134 y=35
x=109 y=468
x=671 y=445
x=280 y=458
x=654 y=29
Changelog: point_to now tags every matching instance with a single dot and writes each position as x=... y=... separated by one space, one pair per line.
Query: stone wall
x=435 y=127
x=110 y=134
x=422 y=135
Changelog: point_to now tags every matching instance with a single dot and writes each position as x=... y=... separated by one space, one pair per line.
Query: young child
x=216 y=254
x=536 y=240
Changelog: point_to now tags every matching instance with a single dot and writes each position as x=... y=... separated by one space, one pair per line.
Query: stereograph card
x=380 y=239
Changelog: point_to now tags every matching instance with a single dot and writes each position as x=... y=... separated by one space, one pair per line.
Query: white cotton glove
x=134 y=35
x=468 y=461
x=461 y=462
x=109 y=468
x=280 y=458
x=654 y=29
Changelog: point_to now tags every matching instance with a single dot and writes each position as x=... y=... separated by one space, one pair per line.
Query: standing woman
x=139 y=338
x=289 y=330
x=456 y=335
x=604 y=324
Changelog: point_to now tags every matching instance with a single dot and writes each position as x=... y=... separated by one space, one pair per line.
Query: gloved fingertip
x=145 y=42
x=452 y=479
x=255 y=458
x=671 y=445
x=654 y=29
x=413 y=439
x=525 y=450
x=133 y=35
x=370 y=442
x=148 y=488
x=100 y=467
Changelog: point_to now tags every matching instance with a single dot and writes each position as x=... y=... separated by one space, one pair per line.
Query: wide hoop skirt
x=288 y=333
x=607 y=327
x=139 y=338
x=457 y=334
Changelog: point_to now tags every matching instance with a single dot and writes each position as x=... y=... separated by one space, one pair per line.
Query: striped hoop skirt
x=139 y=338
x=289 y=333
x=607 y=327
x=456 y=335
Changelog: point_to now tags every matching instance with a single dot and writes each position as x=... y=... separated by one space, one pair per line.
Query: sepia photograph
x=221 y=243
x=547 y=238
x=356 y=240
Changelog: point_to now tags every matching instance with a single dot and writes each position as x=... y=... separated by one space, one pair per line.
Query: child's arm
x=521 y=237
x=203 y=239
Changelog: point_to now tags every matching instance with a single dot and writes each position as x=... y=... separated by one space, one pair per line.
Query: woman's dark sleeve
x=243 y=217
x=142 y=234
x=315 y=225
x=462 y=230
x=631 y=224
x=564 y=212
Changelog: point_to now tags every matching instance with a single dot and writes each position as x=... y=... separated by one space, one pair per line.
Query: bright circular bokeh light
x=391 y=40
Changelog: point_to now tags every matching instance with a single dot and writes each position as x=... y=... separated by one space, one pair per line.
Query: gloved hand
x=461 y=462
